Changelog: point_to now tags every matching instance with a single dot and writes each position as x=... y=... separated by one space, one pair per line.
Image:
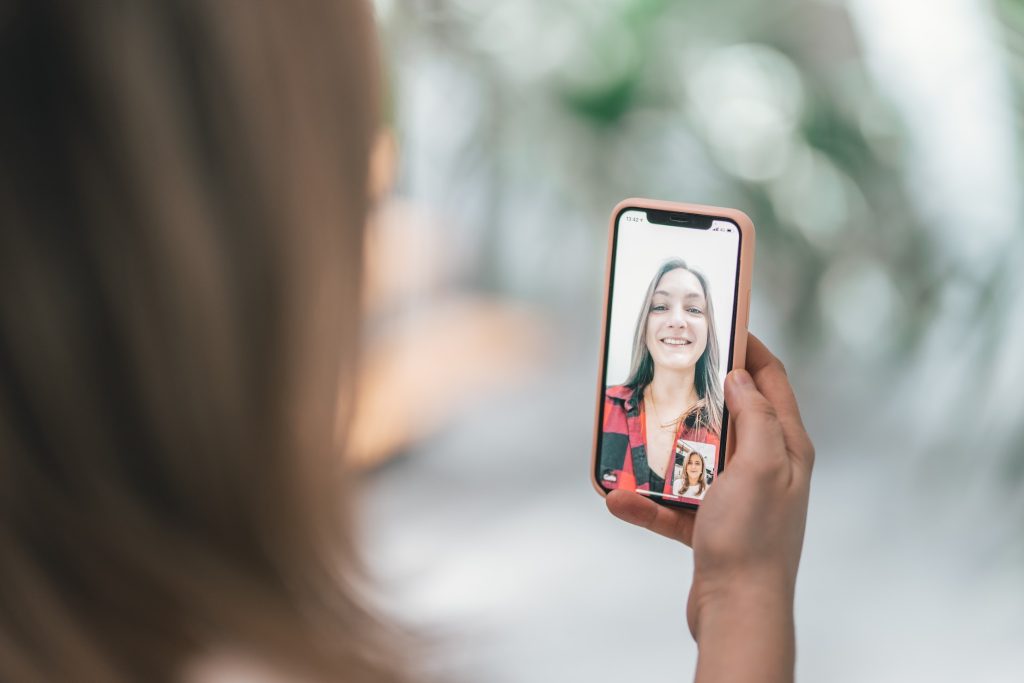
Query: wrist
x=745 y=632
x=751 y=602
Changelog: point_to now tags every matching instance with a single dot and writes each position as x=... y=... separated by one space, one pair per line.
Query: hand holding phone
x=748 y=534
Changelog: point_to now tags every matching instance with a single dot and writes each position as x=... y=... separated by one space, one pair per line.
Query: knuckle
x=777 y=365
x=770 y=466
x=650 y=521
x=760 y=412
x=767 y=410
x=809 y=452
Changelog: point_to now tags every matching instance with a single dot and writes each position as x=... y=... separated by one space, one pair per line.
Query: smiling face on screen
x=694 y=469
x=677 y=325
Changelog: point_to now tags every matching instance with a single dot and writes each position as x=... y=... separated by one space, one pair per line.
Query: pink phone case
x=739 y=344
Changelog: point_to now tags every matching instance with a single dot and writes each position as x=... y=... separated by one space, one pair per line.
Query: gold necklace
x=667 y=426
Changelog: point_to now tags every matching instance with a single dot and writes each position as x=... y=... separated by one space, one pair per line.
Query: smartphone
x=677 y=299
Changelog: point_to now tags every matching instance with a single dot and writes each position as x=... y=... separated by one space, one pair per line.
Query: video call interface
x=672 y=296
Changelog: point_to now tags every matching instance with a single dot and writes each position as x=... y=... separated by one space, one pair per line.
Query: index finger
x=636 y=509
x=770 y=377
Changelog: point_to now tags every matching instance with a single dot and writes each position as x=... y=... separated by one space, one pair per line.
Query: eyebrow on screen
x=689 y=295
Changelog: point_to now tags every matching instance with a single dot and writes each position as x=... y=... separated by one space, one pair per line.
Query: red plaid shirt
x=624 y=444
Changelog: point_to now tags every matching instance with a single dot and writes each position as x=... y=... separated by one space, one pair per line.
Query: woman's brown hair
x=182 y=201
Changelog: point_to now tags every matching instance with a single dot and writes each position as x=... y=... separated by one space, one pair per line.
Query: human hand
x=747 y=535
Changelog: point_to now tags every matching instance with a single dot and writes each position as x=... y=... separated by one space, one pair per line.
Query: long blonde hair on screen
x=182 y=194
x=707 y=412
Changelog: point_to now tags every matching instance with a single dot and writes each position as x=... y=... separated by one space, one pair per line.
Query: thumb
x=755 y=423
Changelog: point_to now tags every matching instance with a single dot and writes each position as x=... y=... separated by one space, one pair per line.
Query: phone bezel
x=739 y=319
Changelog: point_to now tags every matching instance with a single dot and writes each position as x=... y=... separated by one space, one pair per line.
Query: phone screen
x=668 y=346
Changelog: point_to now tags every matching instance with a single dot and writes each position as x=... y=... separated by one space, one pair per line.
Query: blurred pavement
x=490 y=536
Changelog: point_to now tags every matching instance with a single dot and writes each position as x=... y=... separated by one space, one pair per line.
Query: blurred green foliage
x=575 y=96
x=554 y=110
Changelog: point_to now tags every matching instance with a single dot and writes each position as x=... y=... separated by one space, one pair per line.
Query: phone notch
x=678 y=218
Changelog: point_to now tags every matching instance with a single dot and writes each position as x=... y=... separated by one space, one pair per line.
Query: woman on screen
x=692 y=482
x=673 y=392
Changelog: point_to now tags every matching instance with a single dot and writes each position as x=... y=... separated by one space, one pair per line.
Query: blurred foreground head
x=182 y=197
